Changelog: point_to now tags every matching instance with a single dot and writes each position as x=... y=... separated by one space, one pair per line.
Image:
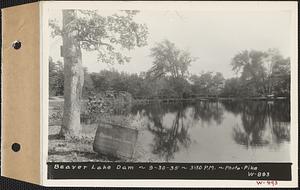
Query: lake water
x=229 y=131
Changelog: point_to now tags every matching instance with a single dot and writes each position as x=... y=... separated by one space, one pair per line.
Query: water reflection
x=208 y=111
x=256 y=116
x=169 y=135
x=215 y=131
x=280 y=114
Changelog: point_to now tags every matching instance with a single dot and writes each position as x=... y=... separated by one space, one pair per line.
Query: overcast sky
x=213 y=37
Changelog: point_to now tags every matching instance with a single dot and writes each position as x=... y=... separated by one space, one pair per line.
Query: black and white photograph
x=169 y=85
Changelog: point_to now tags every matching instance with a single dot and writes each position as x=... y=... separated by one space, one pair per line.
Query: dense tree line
x=257 y=74
x=143 y=85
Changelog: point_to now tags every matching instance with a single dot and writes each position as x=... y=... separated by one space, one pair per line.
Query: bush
x=109 y=102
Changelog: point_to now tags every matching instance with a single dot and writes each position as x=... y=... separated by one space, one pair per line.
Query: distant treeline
x=257 y=74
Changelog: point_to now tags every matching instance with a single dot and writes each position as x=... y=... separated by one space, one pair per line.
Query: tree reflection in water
x=208 y=111
x=262 y=123
x=169 y=139
x=255 y=117
x=281 y=117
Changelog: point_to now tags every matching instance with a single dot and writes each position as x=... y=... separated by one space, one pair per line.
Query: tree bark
x=73 y=80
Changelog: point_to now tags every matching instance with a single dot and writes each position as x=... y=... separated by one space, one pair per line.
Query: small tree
x=88 y=30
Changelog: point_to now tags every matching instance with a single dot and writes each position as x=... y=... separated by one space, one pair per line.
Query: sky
x=214 y=37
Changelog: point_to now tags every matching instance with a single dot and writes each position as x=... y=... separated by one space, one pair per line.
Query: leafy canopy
x=108 y=35
x=168 y=59
x=261 y=72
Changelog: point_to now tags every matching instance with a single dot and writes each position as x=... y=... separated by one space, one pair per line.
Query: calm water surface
x=215 y=131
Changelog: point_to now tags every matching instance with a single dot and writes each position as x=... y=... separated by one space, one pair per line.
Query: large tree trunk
x=73 y=80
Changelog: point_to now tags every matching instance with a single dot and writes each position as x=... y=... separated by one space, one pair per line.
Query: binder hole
x=16 y=44
x=16 y=147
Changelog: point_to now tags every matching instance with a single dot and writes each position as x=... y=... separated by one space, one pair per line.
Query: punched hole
x=16 y=44
x=16 y=147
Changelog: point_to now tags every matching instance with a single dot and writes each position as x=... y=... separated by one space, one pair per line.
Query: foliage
x=107 y=103
x=108 y=35
x=170 y=70
x=233 y=88
x=207 y=83
x=169 y=60
x=88 y=84
x=259 y=74
x=88 y=30
x=280 y=74
x=56 y=78
x=263 y=73
x=139 y=85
